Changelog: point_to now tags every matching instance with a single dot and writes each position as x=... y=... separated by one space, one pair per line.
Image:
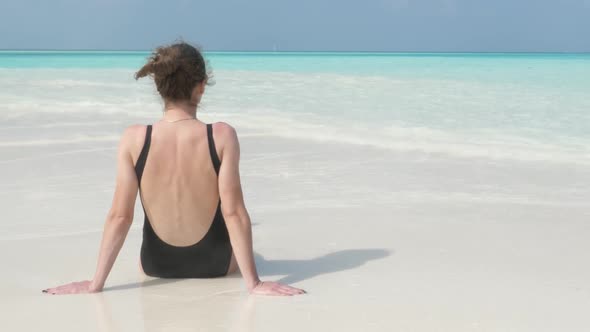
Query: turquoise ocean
x=522 y=107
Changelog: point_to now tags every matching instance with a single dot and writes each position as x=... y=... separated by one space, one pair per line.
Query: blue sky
x=321 y=25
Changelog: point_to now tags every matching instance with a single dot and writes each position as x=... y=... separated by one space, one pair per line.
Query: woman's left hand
x=77 y=287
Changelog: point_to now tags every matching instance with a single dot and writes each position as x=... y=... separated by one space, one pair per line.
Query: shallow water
x=528 y=107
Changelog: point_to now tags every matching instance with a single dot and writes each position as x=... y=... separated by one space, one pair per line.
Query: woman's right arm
x=237 y=218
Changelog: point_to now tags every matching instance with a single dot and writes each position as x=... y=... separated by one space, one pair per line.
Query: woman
x=187 y=175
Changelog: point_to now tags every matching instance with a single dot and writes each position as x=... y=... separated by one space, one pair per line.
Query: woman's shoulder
x=224 y=131
x=133 y=138
x=222 y=127
x=226 y=139
x=134 y=133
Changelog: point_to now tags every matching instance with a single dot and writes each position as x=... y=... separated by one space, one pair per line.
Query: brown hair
x=176 y=69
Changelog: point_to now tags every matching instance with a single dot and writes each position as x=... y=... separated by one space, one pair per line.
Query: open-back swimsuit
x=210 y=257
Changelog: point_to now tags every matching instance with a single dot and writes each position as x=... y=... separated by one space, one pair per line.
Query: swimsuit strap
x=140 y=165
x=212 y=150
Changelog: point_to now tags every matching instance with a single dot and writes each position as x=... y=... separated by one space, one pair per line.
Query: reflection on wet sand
x=208 y=304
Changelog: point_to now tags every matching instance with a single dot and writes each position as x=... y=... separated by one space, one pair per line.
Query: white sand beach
x=381 y=240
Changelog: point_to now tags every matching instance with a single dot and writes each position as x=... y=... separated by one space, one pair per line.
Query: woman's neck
x=180 y=109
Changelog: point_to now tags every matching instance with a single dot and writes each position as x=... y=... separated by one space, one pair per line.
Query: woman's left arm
x=117 y=223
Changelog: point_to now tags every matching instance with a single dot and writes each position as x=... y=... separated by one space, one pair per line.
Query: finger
x=61 y=287
x=65 y=289
x=300 y=291
x=275 y=291
x=50 y=290
x=59 y=290
x=287 y=289
x=291 y=290
x=296 y=291
x=283 y=292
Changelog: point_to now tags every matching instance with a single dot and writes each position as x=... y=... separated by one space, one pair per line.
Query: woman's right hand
x=275 y=288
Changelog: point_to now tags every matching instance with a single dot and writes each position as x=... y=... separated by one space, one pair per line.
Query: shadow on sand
x=295 y=270
x=301 y=269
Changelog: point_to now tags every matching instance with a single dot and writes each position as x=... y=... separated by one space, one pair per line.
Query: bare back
x=179 y=188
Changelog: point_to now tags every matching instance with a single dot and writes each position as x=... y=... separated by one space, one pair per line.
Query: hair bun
x=176 y=70
x=164 y=63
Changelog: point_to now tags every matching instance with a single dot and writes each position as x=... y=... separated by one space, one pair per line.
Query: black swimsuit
x=208 y=258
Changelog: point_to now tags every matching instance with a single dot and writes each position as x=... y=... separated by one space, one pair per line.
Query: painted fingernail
x=44 y=291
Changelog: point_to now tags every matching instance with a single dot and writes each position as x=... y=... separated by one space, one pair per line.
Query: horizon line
x=300 y=51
